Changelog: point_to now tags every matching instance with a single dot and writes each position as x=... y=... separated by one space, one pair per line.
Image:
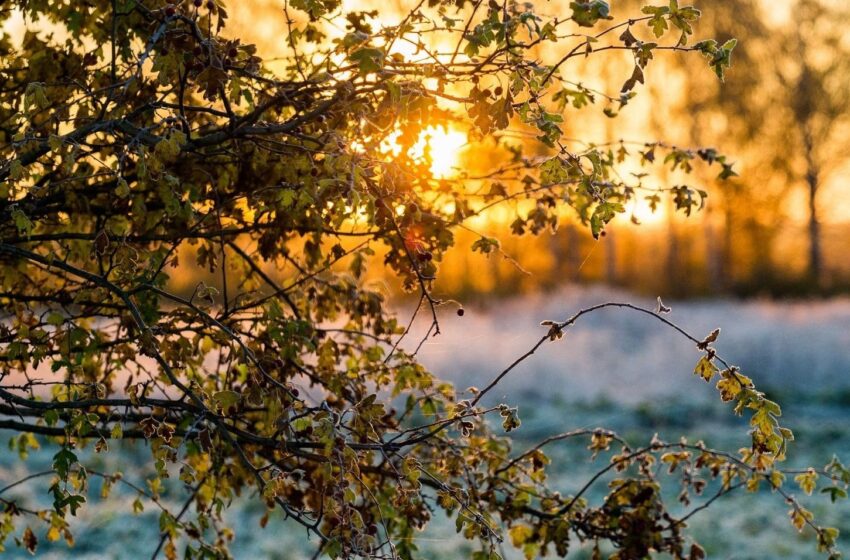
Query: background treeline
x=781 y=228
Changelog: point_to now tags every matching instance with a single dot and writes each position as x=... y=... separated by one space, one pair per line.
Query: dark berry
x=460 y=312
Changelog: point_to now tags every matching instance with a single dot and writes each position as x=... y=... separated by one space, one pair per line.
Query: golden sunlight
x=640 y=210
x=439 y=146
x=442 y=148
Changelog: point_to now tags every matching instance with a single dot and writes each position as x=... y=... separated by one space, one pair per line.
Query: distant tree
x=746 y=214
x=134 y=131
x=815 y=75
x=750 y=205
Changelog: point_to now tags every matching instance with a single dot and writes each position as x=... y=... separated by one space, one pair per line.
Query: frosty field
x=614 y=369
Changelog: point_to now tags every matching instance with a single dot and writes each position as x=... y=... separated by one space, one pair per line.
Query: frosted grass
x=614 y=368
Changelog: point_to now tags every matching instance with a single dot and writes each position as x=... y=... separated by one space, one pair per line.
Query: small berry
x=198 y=3
x=170 y=10
x=460 y=312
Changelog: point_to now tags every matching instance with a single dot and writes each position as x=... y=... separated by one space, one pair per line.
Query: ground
x=614 y=369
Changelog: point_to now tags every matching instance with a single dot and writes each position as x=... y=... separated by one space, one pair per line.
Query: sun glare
x=643 y=213
x=438 y=146
x=442 y=149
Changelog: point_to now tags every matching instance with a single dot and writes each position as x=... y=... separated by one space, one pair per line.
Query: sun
x=437 y=146
x=444 y=147
x=441 y=146
x=641 y=211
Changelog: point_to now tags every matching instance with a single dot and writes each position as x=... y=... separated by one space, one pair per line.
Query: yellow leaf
x=799 y=517
x=170 y=550
x=53 y=534
x=729 y=388
x=807 y=481
x=705 y=368
x=520 y=534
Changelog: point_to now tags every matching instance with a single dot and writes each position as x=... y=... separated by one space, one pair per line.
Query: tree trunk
x=728 y=247
x=610 y=258
x=713 y=257
x=574 y=260
x=812 y=180
x=675 y=285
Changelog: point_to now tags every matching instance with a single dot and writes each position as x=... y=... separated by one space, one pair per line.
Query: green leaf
x=62 y=462
x=315 y=8
x=368 y=59
x=122 y=189
x=835 y=493
x=51 y=417
x=657 y=23
x=485 y=245
x=22 y=221
x=587 y=13
x=74 y=502
x=226 y=399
